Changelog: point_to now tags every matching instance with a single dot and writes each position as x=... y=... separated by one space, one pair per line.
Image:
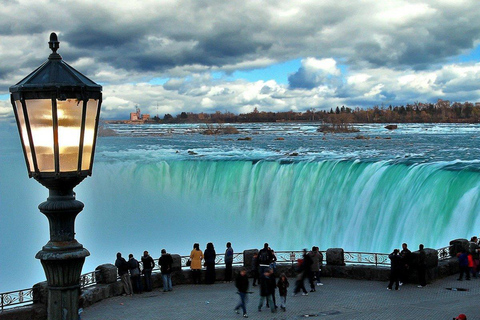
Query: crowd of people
x=130 y=272
x=263 y=271
x=468 y=260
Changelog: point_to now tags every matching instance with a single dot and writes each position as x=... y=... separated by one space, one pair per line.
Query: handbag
x=189 y=263
x=134 y=272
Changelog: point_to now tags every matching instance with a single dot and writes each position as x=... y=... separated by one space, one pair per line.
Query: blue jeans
x=167 y=281
x=243 y=302
x=269 y=301
x=147 y=274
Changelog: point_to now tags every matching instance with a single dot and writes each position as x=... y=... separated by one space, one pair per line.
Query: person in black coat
x=422 y=266
x=396 y=269
x=209 y=255
x=122 y=266
x=282 y=286
x=134 y=268
x=242 y=284
x=406 y=255
x=165 y=262
x=267 y=289
x=148 y=265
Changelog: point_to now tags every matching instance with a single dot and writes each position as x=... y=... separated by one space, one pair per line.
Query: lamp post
x=57 y=111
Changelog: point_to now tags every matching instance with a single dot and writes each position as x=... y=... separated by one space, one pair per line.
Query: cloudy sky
x=207 y=56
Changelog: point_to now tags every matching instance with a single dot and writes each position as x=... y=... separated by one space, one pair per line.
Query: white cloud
x=356 y=53
x=328 y=65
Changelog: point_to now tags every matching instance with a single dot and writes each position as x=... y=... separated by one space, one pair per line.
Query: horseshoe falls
x=168 y=186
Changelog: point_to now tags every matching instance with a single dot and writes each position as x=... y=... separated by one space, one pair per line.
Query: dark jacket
x=134 y=267
x=463 y=260
x=422 y=258
x=406 y=257
x=241 y=282
x=265 y=256
x=282 y=287
x=396 y=261
x=267 y=285
x=209 y=255
x=148 y=262
x=229 y=255
x=122 y=266
x=165 y=263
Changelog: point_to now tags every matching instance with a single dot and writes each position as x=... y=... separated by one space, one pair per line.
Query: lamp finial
x=53 y=43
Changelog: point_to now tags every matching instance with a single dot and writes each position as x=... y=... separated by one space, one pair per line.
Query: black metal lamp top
x=57 y=77
x=54 y=45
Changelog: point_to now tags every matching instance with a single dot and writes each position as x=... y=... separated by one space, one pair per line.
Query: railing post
x=292 y=257
x=376 y=260
x=2 y=300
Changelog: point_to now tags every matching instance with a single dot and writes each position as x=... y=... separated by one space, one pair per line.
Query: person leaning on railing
x=122 y=267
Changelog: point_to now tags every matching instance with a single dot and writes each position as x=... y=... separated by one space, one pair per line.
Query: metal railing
x=88 y=279
x=366 y=258
x=16 y=298
x=25 y=296
x=444 y=253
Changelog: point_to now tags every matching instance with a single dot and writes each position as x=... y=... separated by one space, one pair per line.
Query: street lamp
x=57 y=111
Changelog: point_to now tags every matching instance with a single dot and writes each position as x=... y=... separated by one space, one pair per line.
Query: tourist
x=196 y=257
x=273 y=264
x=148 y=265
x=273 y=279
x=463 y=264
x=122 y=267
x=254 y=268
x=165 y=262
x=134 y=268
x=406 y=255
x=318 y=274
x=267 y=287
x=395 y=269
x=228 y=262
x=209 y=255
x=282 y=286
x=474 y=249
x=241 y=282
x=422 y=266
x=315 y=268
x=265 y=257
x=304 y=270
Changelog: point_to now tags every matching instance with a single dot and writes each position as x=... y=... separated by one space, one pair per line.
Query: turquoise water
x=157 y=187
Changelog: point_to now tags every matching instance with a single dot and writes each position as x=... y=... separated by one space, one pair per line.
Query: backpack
x=263 y=257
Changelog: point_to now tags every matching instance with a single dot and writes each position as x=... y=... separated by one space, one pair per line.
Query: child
x=241 y=282
x=282 y=286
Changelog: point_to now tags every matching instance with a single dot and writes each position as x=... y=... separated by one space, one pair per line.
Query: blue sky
x=198 y=56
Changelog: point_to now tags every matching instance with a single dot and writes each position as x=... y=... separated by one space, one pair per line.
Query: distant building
x=136 y=116
x=145 y=117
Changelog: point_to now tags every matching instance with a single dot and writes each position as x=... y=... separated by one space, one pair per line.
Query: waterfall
x=359 y=206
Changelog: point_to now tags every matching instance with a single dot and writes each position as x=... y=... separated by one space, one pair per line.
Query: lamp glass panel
x=24 y=135
x=69 y=115
x=41 y=123
x=89 y=138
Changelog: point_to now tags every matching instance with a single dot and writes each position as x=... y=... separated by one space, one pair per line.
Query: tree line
x=440 y=112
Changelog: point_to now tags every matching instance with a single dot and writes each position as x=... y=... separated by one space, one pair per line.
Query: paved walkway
x=337 y=299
